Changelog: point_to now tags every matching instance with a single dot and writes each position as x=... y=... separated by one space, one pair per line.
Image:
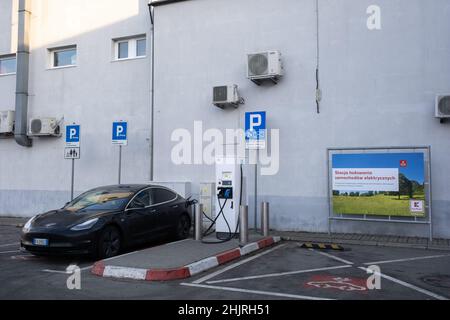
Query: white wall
x=378 y=90
x=94 y=94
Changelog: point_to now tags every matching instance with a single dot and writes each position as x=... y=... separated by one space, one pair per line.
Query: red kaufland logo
x=403 y=163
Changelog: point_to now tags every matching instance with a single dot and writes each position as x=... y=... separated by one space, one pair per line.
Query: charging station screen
x=384 y=184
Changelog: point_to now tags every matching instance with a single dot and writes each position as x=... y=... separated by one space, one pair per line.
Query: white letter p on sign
x=255 y=121
x=72 y=133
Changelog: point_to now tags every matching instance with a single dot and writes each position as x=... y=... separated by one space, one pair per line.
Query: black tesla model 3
x=105 y=220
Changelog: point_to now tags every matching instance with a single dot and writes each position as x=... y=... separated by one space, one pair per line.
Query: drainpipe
x=152 y=103
x=23 y=61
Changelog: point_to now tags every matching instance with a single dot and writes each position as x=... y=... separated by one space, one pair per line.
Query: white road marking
x=171 y=243
x=332 y=257
x=237 y=264
x=266 y=293
x=56 y=271
x=9 y=244
x=4 y=252
x=279 y=274
x=407 y=285
x=407 y=259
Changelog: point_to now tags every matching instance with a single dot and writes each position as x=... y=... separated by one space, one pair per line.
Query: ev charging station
x=229 y=194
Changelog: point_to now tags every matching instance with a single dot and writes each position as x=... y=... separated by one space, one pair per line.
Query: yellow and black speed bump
x=321 y=246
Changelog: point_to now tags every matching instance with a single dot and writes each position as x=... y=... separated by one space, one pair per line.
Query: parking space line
x=9 y=244
x=333 y=257
x=56 y=271
x=406 y=284
x=237 y=264
x=4 y=252
x=171 y=243
x=407 y=259
x=267 y=293
x=279 y=274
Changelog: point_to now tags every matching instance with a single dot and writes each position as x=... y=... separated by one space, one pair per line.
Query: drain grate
x=441 y=281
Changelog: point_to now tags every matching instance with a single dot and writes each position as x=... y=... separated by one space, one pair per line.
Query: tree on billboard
x=405 y=186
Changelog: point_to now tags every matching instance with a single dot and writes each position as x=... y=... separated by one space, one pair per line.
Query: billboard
x=383 y=184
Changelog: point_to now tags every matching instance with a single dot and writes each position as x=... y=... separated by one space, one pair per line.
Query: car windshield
x=100 y=200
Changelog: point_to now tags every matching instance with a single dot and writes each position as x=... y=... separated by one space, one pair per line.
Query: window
x=130 y=48
x=142 y=200
x=141 y=47
x=63 y=57
x=162 y=195
x=8 y=64
x=123 y=50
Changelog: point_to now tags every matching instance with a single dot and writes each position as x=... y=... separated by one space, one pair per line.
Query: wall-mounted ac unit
x=224 y=96
x=40 y=127
x=6 y=122
x=265 y=66
x=442 y=106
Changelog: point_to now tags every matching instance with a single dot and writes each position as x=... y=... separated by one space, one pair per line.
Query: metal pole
x=243 y=229
x=120 y=163
x=430 y=196
x=198 y=232
x=73 y=178
x=256 y=191
x=265 y=219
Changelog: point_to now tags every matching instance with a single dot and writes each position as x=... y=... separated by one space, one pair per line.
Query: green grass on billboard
x=380 y=204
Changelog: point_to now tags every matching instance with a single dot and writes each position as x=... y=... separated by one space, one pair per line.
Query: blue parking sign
x=119 y=133
x=255 y=130
x=73 y=136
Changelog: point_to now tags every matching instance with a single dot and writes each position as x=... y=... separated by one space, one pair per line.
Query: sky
x=415 y=169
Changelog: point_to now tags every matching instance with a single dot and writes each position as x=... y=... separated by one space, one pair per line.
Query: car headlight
x=26 y=228
x=85 y=225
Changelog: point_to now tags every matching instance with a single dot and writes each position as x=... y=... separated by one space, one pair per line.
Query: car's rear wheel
x=109 y=243
x=183 y=227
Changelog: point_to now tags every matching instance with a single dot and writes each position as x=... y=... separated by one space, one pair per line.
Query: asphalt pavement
x=283 y=271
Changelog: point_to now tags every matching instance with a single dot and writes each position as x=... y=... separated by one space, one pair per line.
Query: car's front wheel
x=183 y=227
x=109 y=243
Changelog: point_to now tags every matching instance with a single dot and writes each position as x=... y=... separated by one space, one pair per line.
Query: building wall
x=378 y=90
x=95 y=93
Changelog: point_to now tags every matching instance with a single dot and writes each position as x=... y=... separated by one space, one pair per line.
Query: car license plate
x=40 y=242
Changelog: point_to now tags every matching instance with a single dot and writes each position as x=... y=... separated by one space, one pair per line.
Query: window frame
x=11 y=56
x=53 y=51
x=132 y=47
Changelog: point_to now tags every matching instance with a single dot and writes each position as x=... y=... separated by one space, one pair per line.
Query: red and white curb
x=102 y=270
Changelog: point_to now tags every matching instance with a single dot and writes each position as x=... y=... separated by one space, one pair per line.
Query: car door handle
x=153 y=211
x=174 y=206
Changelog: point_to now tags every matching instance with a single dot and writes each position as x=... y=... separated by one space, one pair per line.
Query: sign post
x=72 y=150
x=119 y=138
x=255 y=139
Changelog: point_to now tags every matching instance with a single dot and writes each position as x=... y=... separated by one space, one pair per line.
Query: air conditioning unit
x=40 y=127
x=224 y=96
x=442 y=108
x=264 y=66
x=6 y=122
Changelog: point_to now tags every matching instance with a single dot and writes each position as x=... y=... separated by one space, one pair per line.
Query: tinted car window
x=162 y=195
x=141 y=200
x=99 y=200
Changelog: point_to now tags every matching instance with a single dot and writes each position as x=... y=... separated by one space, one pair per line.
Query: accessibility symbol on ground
x=337 y=283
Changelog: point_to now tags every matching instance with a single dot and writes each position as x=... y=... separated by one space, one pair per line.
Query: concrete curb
x=110 y=271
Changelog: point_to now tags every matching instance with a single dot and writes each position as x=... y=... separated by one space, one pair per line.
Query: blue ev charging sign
x=255 y=130
x=119 y=133
x=73 y=136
